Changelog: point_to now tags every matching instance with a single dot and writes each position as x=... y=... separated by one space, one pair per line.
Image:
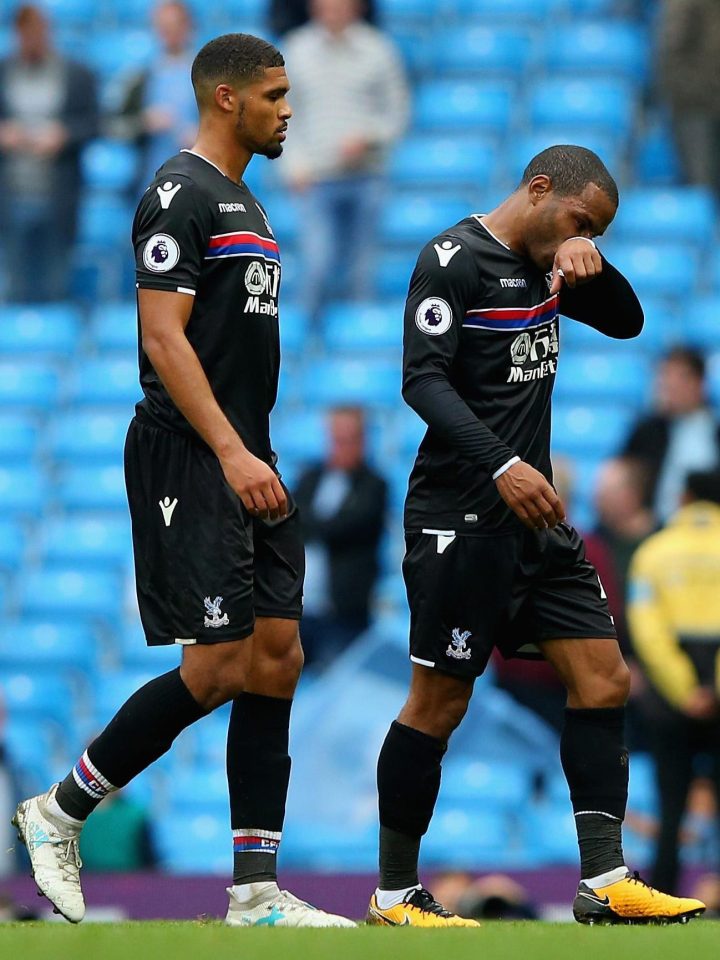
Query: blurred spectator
x=689 y=53
x=117 y=838
x=681 y=435
x=496 y=897
x=158 y=110
x=342 y=505
x=674 y=618
x=8 y=800
x=48 y=111
x=286 y=15
x=350 y=98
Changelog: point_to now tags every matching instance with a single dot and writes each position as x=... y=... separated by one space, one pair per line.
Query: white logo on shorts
x=217 y=618
x=458 y=648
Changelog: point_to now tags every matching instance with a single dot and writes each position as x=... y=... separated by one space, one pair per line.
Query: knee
x=609 y=687
x=437 y=717
x=213 y=688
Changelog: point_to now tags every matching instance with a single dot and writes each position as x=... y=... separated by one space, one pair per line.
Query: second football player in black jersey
x=490 y=559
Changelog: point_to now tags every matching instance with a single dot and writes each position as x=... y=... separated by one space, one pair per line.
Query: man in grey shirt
x=350 y=97
x=48 y=110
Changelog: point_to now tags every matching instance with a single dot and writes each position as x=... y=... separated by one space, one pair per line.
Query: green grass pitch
x=212 y=940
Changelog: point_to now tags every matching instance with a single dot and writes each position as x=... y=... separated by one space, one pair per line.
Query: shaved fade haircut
x=570 y=170
x=234 y=59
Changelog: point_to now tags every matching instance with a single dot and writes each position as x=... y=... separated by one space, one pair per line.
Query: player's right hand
x=531 y=498
x=256 y=484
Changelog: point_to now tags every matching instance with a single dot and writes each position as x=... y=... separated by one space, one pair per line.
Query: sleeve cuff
x=506 y=466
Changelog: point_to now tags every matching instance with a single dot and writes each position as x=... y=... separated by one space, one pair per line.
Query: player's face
x=553 y=219
x=263 y=113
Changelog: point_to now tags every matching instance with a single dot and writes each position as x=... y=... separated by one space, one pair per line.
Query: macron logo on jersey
x=166 y=193
x=445 y=251
x=513 y=282
x=232 y=207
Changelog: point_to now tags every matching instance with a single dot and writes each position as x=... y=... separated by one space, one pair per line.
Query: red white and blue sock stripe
x=255 y=841
x=88 y=778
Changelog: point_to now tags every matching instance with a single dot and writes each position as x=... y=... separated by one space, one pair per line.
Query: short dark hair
x=703 y=485
x=571 y=169
x=693 y=359
x=234 y=58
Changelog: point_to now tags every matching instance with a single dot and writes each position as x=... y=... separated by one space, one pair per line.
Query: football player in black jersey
x=491 y=560
x=218 y=555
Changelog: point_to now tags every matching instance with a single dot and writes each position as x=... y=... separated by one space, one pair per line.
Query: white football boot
x=54 y=855
x=268 y=906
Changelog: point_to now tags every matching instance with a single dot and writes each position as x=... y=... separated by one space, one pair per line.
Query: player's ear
x=225 y=97
x=539 y=187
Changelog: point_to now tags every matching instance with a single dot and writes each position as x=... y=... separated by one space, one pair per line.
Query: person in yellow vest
x=674 y=617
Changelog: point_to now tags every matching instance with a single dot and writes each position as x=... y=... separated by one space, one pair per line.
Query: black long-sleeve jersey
x=200 y=233
x=481 y=346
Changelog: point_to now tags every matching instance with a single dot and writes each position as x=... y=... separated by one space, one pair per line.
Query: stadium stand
x=494 y=82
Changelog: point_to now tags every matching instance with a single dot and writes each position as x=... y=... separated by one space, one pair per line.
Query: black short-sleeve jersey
x=481 y=347
x=199 y=233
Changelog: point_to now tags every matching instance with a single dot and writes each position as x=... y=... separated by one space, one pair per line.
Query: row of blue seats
x=476 y=48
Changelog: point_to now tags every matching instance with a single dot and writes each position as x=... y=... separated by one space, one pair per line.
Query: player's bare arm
x=163 y=317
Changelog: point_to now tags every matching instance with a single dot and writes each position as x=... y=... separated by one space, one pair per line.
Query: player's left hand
x=576 y=261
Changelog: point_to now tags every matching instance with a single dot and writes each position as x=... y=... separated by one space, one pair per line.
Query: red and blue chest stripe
x=513 y=318
x=242 y=244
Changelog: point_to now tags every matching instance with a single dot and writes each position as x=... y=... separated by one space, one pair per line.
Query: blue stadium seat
x=461 y=839
x=657 y=269
x=134 y=653
x=86 y=542
x=12 y=543
x=393 y=272
x=440 y=162
x=340 y=381
x=30 y=743
x=656 y=160
x=414 y=42
x=201 y=786
x=106 y=381
x=619 y=378
x=589 y=430
x=194 y=843
x=112 y=688
x=109 y=165
x=300 y=435
x=18 y=437
x=521 y=151
x=85 y=436
x=117 y=51
x=413 y=219
x=78 y=13
x=92 y=488
x=28 y=384
x=52 y=330
x=549 y=830
x=643 y=788
x=677 y=214
x=359 y=327
x=469 y=107
x=284 y=218
x=69 y=593
x=104 y=221
x=294 y=329
x=485 y=50
x=474 y=782
x=701 y=323
x=24 y=490
x=713 y=378
x=615 y=47
x=114 y=327
x=502 y=11
x=605 y=104
x=43 y=644
x=392 y=12
x=38 y=693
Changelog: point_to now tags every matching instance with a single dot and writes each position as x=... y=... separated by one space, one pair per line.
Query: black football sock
x=258 y=769
x=408 y=778
x=142 y=730
x=595 y=761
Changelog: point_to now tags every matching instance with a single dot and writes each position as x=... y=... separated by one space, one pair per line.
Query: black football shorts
x=468 y=594
x=204 y=568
